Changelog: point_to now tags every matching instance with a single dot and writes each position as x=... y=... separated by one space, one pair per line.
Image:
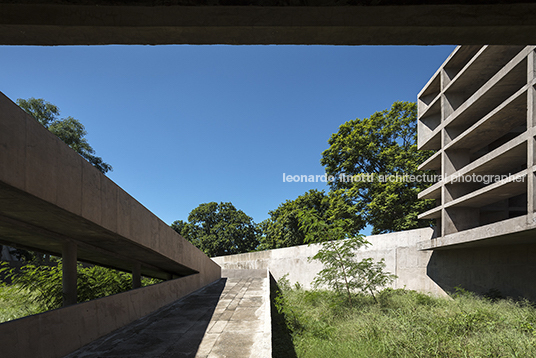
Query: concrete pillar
x=531 y=146
x=69 y=257
x=136 y=276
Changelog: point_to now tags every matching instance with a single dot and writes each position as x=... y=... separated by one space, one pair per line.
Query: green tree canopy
x=374 y=149
x=69 y=130
x=219 y=229
x=284 y=227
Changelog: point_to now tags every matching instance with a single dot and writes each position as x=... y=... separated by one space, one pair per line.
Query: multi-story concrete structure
x=478 y=113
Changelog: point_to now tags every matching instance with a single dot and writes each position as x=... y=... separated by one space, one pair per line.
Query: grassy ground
x=16 y=303
x=407 y=324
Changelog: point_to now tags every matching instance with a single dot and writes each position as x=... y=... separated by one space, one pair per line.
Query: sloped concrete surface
x=229 y=318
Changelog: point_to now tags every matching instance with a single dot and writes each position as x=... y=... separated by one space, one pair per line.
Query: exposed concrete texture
x=69 y=274
x=229 y=318
x=56 y=333
x=54 y=201
x=484 y=97
x=501 y=265
x=50 y=195
x=509 y=269
x=399 y=250
x=62 y=23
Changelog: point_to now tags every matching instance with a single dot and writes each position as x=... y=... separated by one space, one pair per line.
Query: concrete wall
x=398 y=249
x=510 y=269
x=56 y=333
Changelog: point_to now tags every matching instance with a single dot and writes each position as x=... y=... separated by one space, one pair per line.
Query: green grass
x=407 y=324
x=16 y=303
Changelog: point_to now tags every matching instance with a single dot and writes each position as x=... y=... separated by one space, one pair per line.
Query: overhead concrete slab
x=327 y=22
x=50 y=195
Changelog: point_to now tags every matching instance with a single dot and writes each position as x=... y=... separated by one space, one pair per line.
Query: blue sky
x=185 y=125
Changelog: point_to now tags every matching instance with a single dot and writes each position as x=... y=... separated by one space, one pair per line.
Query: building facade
x=477 y=113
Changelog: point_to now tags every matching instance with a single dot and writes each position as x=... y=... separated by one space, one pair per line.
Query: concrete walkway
x=229 y=318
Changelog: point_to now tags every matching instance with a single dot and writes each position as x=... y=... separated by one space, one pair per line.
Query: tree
x=219 y=229
x=366 y=155
x=69 y=130
x=342 y=272
x=283 y=227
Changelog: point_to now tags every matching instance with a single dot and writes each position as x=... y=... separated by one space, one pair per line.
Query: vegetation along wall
x=507 y=270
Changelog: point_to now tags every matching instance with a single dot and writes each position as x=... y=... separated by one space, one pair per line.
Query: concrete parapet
x=499 y=267
x=399 y=250
x=56 y=333
x=241 y=273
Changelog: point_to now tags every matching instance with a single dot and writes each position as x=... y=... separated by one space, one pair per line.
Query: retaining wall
x=507 y=268
x=399 y=250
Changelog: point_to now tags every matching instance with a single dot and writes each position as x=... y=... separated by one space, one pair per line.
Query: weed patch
x=406 y=323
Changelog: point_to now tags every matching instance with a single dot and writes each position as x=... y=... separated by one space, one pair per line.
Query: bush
x=45 y=283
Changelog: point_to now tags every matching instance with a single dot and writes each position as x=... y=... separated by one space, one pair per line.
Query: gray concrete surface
x=57 y=22
x=50 y=195
x=496 y=264
x=56 y=333
x=399 y=250
x=483 y=103
x=229 y=318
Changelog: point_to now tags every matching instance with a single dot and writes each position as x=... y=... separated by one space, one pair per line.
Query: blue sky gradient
x=185 y=125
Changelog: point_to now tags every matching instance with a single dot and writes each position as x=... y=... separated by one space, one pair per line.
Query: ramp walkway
x=229 y=318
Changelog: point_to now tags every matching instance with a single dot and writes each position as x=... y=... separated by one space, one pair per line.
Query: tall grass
x=407 y=324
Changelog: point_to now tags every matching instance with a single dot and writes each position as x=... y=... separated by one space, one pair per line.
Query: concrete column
x=69 y=257
x=531 y=147
x=136 y=276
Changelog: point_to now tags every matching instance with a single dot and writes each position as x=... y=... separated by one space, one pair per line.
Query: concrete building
x=477 y=112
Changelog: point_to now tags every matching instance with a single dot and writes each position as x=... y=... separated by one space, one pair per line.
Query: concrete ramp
x=229 y=318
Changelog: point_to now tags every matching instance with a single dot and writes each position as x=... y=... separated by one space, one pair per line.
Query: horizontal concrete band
x=501 y=265
x=38 y=24
x=56 y=333
x=50 y=195
x=399 y=250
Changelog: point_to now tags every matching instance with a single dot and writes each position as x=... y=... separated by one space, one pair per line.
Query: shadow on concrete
x=502 y=270
x=175 y=330
x=282 y=346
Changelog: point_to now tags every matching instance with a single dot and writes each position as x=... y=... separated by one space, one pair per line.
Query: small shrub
x=342 y=272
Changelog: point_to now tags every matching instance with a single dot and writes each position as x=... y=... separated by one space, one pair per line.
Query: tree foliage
x=283 y=228
x=219 y=229
x=375 y=149
x=45 y=282
x=69 y=130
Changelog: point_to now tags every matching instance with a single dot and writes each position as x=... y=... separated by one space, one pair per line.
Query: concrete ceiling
x=344 y=22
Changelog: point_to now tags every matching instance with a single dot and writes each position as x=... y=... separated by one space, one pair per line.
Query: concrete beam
x=61 y=23
x=49 y=194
